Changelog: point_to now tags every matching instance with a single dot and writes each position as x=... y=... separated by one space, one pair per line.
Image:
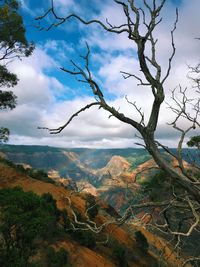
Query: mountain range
x=98 y=171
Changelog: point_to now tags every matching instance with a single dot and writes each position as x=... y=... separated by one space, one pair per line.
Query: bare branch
x=173 y=48
x=59 y=129
x=138 y=110
x=197 y=219
x=127 y=75
x=60 y=20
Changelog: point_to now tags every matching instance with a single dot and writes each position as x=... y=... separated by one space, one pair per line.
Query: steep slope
x=82 y=167
x=79 y=255
x=10 y=177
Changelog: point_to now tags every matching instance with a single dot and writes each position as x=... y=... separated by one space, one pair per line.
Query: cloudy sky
x=48 y=97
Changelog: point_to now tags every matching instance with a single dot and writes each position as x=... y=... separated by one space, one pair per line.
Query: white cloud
x=33 y=87
x=37 y=90
x=107 y=41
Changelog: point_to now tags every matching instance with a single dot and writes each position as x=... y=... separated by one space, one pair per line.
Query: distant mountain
x=93 y=158
x=109 y=173
x=77 y=164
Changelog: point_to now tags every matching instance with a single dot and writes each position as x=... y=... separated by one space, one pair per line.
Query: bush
x=85 y=238
x=33 y=173
x=39 y=175
x=51 y=202
x=57 y=258
x=155 y=185
x=141 y=241
x=65 y=219
x=92 y=206
x=119 y=252
x=24 y=218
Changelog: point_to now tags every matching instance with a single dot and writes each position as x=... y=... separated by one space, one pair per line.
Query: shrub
x=24 y=217
x=57 y=258
x=156 y=184
x=39 y=175
x=92 y=206
x=85 y=238
x=119 y=252
x=141 y=241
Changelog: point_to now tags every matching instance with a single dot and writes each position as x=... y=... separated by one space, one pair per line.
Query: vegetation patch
x=27 y=220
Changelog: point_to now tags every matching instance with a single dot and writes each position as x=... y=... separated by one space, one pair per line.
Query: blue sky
x=48 y=97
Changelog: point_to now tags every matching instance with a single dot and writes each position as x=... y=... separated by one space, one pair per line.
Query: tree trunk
x=177 y=176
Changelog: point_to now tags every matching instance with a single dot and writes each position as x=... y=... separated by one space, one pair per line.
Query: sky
x=47 y=97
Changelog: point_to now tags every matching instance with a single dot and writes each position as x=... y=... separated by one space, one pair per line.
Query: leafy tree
x=13 y=44
x=194 y=141
x=24 y=217
x=141 y=241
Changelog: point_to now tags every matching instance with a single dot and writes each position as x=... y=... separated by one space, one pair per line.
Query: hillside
x=97 y=171
x=123 y=180
x=80 y=255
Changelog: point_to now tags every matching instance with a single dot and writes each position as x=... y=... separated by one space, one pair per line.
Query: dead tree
x=141 y=22
x=147 y=15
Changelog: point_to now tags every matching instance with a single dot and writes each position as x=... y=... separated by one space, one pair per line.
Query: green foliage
x=84 y=238
x=57 y=258
x=24 y=218
x=155 y=185
x=39 y=175
x=65 y=219
x=4 y=134
x=7 y=78
x=7 y=162
x=36 y=174
x=12 y=32
x=119 y=252
x=194 y=141
x=7 y=100
x=92 y=206
x=141 y=241
x=51 y=202
x=13 y=43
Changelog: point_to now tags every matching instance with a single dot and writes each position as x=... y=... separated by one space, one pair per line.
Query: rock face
x=115 y=170
x=116 y=166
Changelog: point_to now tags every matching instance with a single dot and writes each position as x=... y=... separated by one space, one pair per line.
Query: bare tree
x=141 y=22
x=153 y=77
